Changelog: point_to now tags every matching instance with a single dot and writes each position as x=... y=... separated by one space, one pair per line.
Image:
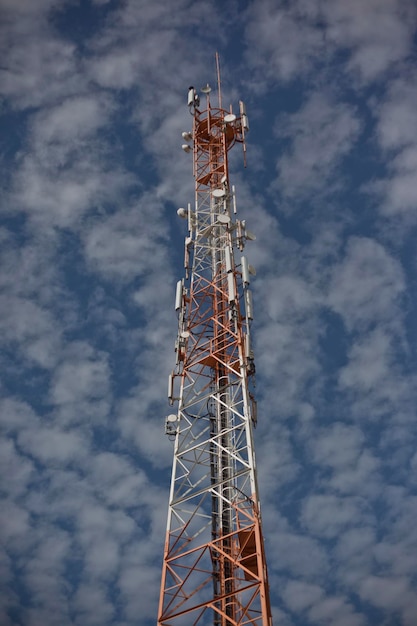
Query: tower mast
x=214 y=570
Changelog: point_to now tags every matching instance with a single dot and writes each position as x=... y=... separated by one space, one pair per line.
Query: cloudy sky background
x=93 y=102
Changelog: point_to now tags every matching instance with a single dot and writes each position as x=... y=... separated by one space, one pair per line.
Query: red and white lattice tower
x=214 y=569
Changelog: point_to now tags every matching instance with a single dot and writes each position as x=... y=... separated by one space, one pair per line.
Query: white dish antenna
x=181 y=212
x=229 y=118
x=219 y=193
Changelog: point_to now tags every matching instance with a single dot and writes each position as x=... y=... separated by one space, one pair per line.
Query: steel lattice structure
x=214 y=569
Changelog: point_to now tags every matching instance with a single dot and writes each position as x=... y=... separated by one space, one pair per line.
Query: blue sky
x=93 y=102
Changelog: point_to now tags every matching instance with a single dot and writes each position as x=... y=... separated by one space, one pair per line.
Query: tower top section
x=212 y=122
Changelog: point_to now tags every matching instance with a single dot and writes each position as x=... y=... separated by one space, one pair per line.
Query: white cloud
x=328 y=515
x=52 y=445
x=367 y=286
x=397 y=118
x=80 y=387
x=288 y=41
x=88 y=280
x=18 y=469
x=286 y=348
x=320 y=134
x=27 y=8
x=144 y=45
x=92 y=605
x=15 y=415
x=277 y=464
x=128 y=243
x=335 y=610
x=30 y=327
x=377 y=33
x=354 y=469
x=15 y=525
x=396 y=133
x=117 y=70
x=141 y=421
x=298 y=554
x=338 y=446
x=37 y=67
x=299 y=595
x=54 y=196
x=134 y=578
x=43 y=574
x=355 y=550
x=286 y=353
x=391 y=594
x=289 y=298
x=83 y=376
x=282 y=42
x=369 y=365
x=75 y=119
x=379 y=386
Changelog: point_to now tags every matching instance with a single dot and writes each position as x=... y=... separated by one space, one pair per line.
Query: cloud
x=353 y=468
x=355 y=549
x=391 y=594
x=283 y=43
x=277 y=463
x=129 y=243
x=377 y=34
x=395 y=135
x=319 y=135
x=287 y=42
x=335 y=609
x=92 y=605
x=15 y=525
x=49 y=445
x=38 y=68
x=71 y=122
x=367 y=285
x=328 y=515
x=299 y=595
x=298 y=554
x=66 y=171
x=377 y=380
x=93 y=173
x=31 y=327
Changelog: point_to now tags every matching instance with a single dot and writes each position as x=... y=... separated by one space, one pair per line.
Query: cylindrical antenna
x=219 y=91
x=178 y=295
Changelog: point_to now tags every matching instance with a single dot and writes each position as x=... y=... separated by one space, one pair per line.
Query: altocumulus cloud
x=92 y=110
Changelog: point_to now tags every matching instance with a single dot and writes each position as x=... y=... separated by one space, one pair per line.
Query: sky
x=93 y=102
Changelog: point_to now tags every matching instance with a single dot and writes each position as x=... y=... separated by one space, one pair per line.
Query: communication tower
x=214 y=570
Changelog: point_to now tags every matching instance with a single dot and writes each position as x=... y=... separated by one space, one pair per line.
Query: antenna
x=219 y=91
